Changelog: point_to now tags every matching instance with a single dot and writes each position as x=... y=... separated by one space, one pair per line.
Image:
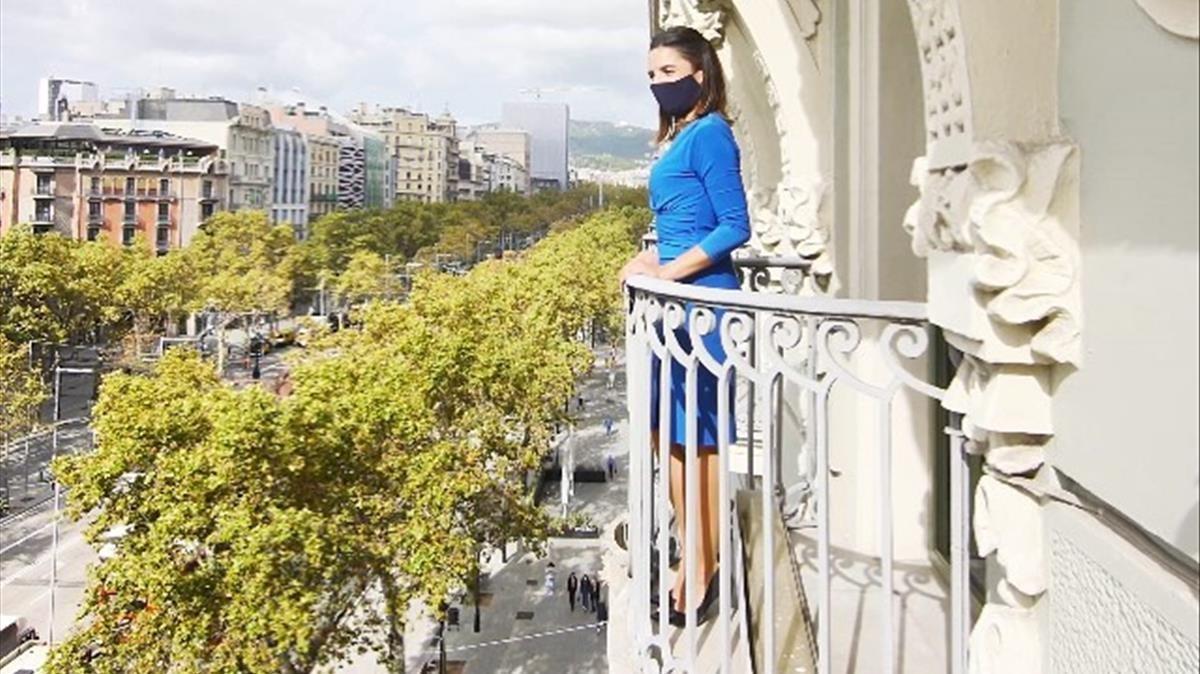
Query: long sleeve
x=717 y=162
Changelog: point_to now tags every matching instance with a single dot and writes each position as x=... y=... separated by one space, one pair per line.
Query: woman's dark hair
x=699 y=52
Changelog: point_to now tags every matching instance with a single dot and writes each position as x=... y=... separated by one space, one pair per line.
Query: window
x=127 y=235
x=164 y=213
x=44 y=185
x=164 y=237
x=206 y=211
x=93 y=232
x=94 y=212
x=43 y=212
x=164 y=187
x=206 y=189
x=130 y=186
x=95 y=185
x=130 y=211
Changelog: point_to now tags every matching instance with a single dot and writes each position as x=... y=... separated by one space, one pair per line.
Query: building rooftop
x=67 y=131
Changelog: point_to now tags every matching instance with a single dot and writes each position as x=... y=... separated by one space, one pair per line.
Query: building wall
x=323 y=152
x=510 y=143
x=548 y=125
x=290 y=181
x=352 y=170
x=1126 y=419
x=90 y=199
x=1133 y=112
x=248 y=146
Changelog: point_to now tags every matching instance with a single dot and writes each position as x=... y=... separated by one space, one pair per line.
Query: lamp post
x=59 y=371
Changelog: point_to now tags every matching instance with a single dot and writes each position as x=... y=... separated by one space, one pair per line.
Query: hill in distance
x=609 y=145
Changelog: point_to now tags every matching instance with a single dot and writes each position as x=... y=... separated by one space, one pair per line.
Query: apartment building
x=291 y=180
x=548 y=125
x=511 y=143
x=425 y=151
x=87 y=182
x=243 y=132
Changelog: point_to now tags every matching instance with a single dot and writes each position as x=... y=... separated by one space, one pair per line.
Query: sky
x=465 y=55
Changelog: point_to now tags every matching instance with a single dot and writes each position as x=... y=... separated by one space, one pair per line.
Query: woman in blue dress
x=700 y=214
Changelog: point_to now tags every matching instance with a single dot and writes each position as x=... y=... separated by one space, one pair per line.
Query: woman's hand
x=644 y=264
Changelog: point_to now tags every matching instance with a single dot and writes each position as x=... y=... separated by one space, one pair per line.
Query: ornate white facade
x=954 y=125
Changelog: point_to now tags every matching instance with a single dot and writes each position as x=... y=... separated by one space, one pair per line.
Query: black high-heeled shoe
x=678 y=618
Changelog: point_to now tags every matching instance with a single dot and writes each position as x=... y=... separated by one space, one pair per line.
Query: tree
x=368 y=276
x=56 y=290
x=21 y=390
x=244 y=265
x=258 y=523
x=156 y=289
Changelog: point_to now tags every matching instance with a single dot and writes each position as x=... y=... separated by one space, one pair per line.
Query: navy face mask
x=677 y=98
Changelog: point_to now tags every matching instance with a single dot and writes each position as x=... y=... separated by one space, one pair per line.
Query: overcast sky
x=470 y=55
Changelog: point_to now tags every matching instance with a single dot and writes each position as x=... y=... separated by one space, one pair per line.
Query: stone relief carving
x=1024 y=263
x=706 y=16
x=1181 y=17
x=997 y=224
x=786 y=216
x=944 y=71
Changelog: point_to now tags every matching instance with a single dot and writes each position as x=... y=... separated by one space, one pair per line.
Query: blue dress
x=698 y=199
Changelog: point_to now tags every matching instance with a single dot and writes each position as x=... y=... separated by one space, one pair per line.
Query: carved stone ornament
x=999 y=220
x=1181 y=17
x=1006 y=640
x=706 y=16
x=1009 y=523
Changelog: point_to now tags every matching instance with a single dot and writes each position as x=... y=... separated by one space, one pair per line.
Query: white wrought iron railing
x=776 y=345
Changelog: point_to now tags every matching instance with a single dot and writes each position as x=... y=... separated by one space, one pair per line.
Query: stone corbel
x=1004 y=227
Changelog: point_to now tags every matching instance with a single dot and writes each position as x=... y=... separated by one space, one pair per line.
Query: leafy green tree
x=259 y=524
x=156 y=289
x=56 y=290
x=244 y=266
x=21 y=390
x=367 y=276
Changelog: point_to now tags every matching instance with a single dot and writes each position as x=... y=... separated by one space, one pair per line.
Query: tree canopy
x=258 y=524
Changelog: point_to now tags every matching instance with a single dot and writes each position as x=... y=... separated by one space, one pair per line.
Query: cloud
x=468 y=55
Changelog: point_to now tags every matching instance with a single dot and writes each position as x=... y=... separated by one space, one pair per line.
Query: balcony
x=807 y=389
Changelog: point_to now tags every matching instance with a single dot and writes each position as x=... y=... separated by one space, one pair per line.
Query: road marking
x=63 y=547
x=527 y=637
x=27 y=537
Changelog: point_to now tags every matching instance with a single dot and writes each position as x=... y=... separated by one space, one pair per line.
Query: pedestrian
x=596 y=596
x=550 y=579
x=608 y=424
x=611 y=464
x=572 y=588
x=580 y=400
x=612 y=379
x=585 y=592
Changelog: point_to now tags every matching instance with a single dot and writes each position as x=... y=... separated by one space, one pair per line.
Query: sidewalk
x=524 y=630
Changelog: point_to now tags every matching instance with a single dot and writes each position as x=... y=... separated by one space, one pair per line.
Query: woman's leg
x=709 y=526
x=678 y=503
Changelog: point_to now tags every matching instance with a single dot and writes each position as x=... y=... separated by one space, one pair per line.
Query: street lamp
x=59 y=371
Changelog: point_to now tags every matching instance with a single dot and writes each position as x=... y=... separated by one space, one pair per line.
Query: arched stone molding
x=1181 y=17
x=998 y=223
x=778 y=96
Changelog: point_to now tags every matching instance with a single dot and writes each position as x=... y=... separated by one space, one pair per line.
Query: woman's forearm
x=691 y=262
